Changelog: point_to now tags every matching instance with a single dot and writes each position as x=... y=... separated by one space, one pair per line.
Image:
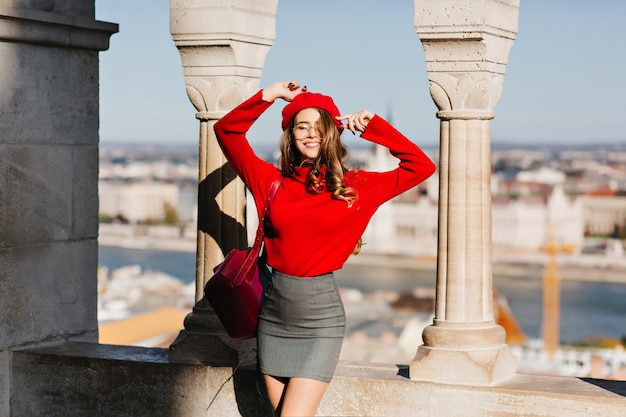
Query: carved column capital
x=213 y=81
x=465 y=95
x=466 y=47
x=222 y=48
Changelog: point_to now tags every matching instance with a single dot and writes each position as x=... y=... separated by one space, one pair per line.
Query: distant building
x=528 y=223
x=137 y=202
x=604 y=213
x=526 y=214
x=406 y=225
x=403 y=228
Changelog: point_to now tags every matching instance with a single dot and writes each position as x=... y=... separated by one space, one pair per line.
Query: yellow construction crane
x=552 y=296
x=551 y=301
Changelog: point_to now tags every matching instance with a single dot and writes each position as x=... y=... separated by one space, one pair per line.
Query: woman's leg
x=275 y=388
x=302 y=396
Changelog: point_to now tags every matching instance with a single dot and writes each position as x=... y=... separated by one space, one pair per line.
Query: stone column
x=48 y=177
x=222 y=45
x=466 y=46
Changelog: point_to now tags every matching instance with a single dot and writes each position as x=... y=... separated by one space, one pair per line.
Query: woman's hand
x=286 y=90
x=357 y=121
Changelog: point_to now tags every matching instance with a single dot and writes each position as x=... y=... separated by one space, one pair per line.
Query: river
x=586 y=308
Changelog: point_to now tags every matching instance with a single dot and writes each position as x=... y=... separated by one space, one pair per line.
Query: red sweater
x=311 y=234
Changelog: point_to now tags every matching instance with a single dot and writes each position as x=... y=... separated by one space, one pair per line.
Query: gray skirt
x=301 y=327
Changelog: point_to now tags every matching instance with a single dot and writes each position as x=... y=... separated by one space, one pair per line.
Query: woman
x=313 y=226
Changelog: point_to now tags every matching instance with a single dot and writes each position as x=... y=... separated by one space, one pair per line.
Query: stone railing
x=85 y=379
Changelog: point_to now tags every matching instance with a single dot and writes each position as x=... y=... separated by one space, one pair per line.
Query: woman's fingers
x=286 y=90
x=357 y=121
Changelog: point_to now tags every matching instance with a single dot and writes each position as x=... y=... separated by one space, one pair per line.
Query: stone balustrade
x=86 y=379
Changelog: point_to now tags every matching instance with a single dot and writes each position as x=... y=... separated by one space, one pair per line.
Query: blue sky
x=565 y=79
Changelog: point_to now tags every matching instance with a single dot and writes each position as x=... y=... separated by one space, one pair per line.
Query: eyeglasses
x=303 y=130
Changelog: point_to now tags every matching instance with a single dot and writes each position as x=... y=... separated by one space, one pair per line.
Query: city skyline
x=551 y=89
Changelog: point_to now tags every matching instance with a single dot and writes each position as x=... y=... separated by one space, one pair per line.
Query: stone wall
x=86 y=380
x=48 y=174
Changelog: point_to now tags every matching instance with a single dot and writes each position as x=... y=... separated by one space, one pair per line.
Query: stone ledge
x=104 y=380
x=39 y=27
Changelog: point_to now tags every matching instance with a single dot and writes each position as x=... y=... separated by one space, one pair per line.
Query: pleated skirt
x=301 y=327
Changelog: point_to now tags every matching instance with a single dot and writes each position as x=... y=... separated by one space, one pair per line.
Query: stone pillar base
x=463 y=355
x=205 y=342
x=482 y=366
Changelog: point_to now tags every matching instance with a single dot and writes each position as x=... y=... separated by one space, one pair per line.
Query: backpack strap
x=270 y=196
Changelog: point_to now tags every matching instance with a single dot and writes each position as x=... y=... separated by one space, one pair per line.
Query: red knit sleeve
x=414 y=166
x=231 y=130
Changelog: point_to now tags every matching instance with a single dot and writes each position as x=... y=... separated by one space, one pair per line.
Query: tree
x=170 y=215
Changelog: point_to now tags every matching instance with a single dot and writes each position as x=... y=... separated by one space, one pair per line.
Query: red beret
x=306 y=100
